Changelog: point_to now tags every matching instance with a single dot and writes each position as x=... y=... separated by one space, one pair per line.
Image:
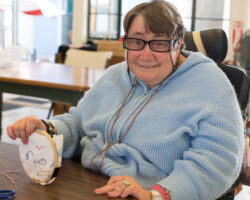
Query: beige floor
x=11 y=116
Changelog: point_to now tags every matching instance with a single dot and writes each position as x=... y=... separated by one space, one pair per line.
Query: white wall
x=25 y=30
x=80 y=11
x=41 y=33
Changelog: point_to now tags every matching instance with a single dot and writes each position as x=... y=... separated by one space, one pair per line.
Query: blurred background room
x=42 y=31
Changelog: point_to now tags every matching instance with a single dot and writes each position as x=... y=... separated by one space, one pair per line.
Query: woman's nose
x=146 y=51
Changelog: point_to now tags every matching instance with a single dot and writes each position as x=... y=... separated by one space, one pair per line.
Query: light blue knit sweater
x=189 y=138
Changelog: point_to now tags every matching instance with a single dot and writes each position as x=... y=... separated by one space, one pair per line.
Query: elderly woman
x=165 y=124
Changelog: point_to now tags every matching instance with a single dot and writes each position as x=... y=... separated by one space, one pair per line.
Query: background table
x=73 y=181
x=52 y=81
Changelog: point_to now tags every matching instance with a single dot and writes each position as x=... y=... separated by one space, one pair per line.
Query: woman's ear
x=178 y=43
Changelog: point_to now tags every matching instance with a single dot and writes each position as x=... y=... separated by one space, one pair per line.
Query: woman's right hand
x=24 y=127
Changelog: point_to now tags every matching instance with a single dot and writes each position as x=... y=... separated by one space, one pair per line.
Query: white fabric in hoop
x=198 y=42
x=41 y=156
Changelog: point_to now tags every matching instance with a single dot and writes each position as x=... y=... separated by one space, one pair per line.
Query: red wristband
x=161 y=191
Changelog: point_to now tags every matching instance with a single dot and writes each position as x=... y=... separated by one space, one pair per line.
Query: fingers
x=10 y=133
x=22 y=131
x=114 y=179
x=103 y=190
x=113 y=190
x=19 y=130
x=31 y=124
x=114 y=187
x=128 y=191
x=24 y=127
x=118 y=190
x=15 y=129
x=123 y=186
x=136 y=191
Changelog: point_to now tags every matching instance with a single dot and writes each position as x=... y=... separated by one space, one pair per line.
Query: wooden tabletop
x=73 y=181
x=50 y=75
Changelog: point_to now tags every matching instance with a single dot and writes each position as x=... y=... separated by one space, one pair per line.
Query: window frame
x=118 y=20
x=12 y=28
x=193 y=19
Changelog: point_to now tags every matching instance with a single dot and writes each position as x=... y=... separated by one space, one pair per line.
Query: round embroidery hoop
x=39 y=157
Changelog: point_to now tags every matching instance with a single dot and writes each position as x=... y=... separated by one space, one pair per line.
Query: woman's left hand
x=123 y=186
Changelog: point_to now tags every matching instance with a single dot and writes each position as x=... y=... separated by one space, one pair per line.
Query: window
x=106 y=16
x=207 y=15
x=104 y=19
x=7 y=23
x=185 y=10
x=126 y=6
x=67 y=22
x=42 y=35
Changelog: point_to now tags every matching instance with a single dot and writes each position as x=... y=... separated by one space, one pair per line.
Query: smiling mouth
x=148 y=66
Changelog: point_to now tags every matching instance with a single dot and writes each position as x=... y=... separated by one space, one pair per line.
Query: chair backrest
x=241 y=82
x=213 y=43
x=90 y=59
x=116 y=47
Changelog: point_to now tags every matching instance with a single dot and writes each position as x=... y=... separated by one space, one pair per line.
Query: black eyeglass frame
x=171 y=42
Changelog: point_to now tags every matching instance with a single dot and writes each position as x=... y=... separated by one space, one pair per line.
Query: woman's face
x=149 y=66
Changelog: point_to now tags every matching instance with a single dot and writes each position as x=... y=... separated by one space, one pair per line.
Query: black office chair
x=213 y=43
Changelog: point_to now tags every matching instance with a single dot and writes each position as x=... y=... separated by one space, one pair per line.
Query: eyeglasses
x=136 y=44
